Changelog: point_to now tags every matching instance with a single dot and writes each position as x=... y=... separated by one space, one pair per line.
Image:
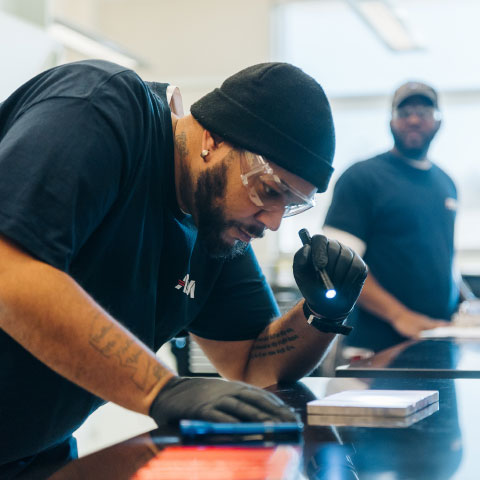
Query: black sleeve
x=60 y=171
x=241 y=305
x=351 y=207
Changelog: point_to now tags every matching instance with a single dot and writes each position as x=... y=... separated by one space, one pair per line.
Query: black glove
x=217 y=400
x=346 y=270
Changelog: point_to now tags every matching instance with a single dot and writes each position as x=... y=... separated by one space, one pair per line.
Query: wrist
x=396 y=315
x=324 y=324
x=165 y=384
x=308 y=310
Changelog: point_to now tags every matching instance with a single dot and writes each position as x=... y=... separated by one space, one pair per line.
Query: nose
x=271 y=219
x=414 y=118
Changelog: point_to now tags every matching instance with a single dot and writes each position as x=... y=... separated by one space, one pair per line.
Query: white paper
x=451 y=332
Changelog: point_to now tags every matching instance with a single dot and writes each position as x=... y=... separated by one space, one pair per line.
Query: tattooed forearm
x=100 y=332
x=145 y=371
x=275 y=344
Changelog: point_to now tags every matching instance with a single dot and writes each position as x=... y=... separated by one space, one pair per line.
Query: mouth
x=413 y=133
x=413 y=138
x=243 y=236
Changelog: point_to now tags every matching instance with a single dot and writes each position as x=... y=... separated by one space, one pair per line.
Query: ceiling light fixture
x=382 y=19
x=91 y=45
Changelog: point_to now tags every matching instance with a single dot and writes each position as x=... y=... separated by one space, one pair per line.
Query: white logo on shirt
x=187 y=285
x=450 y=203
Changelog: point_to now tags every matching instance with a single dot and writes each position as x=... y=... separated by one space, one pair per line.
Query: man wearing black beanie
x=123 y=225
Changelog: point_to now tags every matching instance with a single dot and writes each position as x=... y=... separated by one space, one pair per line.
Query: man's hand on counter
x=410 y=324
x=217 y=400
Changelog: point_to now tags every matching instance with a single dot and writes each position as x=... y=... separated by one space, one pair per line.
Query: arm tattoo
x=276 y=344
x=145 y=371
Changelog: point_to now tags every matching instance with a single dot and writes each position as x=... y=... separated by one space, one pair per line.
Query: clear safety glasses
x=268 y=191
x=423 y=112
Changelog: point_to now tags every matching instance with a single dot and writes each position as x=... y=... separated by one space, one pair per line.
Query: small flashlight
x=330 y=291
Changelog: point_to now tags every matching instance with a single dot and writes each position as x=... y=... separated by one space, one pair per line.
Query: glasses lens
x=268 y=191
x=420 y=111
x=292 y=210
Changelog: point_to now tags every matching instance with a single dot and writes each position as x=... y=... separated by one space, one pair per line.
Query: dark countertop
x=444 y=445
x=439 y=358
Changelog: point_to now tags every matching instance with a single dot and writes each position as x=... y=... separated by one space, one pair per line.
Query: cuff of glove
x=324 y=324
x=172 y=382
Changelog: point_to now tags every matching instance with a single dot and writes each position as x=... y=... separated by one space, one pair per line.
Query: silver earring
x=204 y=153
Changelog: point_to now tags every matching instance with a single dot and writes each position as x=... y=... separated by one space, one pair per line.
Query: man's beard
x=414 y=153
x=207 y=206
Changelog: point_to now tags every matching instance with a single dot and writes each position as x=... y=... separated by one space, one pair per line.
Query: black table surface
x=439 y=358
x=444 y=445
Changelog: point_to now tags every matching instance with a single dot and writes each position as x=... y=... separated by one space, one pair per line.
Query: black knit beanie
x=278 y=111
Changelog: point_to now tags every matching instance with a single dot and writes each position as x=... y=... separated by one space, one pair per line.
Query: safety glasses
x=424 y=112
x=270 y=192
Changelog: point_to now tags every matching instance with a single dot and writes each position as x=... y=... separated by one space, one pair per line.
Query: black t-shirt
x=406 y=218
x=87 y=186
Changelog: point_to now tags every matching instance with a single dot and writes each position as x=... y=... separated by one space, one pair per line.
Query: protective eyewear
x=269 y=191
x=424 y=112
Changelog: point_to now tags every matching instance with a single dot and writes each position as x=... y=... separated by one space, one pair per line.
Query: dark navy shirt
x=406 y=218
x=87 y=186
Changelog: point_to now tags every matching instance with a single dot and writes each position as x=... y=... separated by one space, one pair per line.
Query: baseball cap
x=414 y=88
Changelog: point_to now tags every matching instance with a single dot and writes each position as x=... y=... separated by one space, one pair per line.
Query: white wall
x=194 y=44
x=26 y=50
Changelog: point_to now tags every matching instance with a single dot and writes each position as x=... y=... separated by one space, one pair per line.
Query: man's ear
x=392 y=122
x=211 y=143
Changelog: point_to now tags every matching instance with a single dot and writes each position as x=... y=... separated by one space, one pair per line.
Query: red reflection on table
x=221 y=463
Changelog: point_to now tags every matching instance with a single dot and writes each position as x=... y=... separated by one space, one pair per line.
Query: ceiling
x=197 y=44
x=329 y=39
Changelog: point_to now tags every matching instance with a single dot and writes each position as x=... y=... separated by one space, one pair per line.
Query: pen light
x=330 y=291
x=199 y=428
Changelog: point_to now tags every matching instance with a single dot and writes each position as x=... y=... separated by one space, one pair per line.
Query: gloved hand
x=217 y=400
x=346 y=270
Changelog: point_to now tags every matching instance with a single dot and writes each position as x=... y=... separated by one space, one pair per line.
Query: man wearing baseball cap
x=123 y=225
x=397 y=210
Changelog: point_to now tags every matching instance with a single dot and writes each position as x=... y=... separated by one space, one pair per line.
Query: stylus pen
x=330 y=289
x=195 y=428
